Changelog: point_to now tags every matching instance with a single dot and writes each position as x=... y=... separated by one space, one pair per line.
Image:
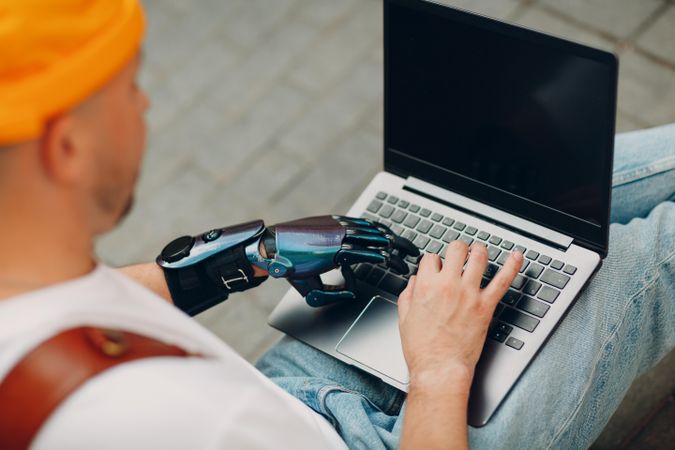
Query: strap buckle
x=243 y=278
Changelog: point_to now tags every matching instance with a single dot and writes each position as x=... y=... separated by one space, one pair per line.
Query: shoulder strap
x=47 y=375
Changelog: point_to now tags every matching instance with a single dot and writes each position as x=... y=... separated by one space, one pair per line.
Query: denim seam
x=565 y=425
x=655 y=168
x=321 y=398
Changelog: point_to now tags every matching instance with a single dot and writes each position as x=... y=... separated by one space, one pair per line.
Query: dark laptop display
x=494 y=114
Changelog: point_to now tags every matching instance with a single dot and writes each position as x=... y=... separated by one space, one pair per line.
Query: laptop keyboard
x=531 y=295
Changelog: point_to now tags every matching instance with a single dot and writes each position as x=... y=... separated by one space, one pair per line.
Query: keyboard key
x=557 y=264
x=362 y=271
x=397 y=229
x=412 y=270
x=411 y=221
x=392 y=284
x=497 y=336
x=548 y=294
x=520 y=248
x=375 y=275
x=421 y=241
x=511 y=297
x=459 y=226
x=386 y=223
x=503 y=257
x=450 y=236
x=519 y=319
x=381 y=195
x=374 y=206
x=392 y=199
x=409 y=235
x=503 y=328
x=466 y=239
x=471 y=230
x=484 y=282
x=495 y=240
x=425 y=212
x=508 y=245
x=386 y=211
x=518 y=282
x=448 y=222
x=528 y=304
x=398 y=216
x=436 y=217
x=434 y=247
x=438 y=231
x=403 y=204
x=532 y=255
x=544 y=259
x=490 y=271
x=524 y=265
x=414 y=259
x=414 y=208
x=369 y=216
x=424 y=226
x=514 y=343
x=569 y=269
x=493 y=252
x=498 y=310
x=534 y=270
x=531 y=287
x=554 y=278
x=482 y=235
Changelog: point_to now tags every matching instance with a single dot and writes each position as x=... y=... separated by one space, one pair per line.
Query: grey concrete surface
x=273 y=109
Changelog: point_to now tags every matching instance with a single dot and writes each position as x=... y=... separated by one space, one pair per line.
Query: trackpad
x=374 y=341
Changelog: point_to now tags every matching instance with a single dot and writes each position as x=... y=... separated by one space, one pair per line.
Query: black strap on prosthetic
x=199 y=287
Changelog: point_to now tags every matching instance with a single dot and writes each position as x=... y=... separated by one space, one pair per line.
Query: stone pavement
x=273 y=109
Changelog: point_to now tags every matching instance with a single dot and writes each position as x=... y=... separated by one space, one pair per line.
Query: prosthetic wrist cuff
x=202 y=271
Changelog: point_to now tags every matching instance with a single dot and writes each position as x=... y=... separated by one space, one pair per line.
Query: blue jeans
x=622 y=324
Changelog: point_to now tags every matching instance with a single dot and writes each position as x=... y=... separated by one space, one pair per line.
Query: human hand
x=444 y=314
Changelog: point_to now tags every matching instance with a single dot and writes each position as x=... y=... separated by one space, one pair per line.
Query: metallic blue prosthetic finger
x=317 y=294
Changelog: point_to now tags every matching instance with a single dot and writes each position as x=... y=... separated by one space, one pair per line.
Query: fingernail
x=518 y=256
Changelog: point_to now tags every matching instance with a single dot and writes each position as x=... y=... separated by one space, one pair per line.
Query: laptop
x=495 y=134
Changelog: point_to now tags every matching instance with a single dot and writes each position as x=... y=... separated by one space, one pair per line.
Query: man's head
x=71 y=114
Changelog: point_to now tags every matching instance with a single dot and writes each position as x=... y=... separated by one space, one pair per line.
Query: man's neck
x=41 y=247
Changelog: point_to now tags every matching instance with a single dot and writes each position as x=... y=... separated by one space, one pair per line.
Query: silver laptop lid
x=510 y=117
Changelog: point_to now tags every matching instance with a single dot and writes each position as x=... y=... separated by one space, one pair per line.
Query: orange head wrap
x=56 y=53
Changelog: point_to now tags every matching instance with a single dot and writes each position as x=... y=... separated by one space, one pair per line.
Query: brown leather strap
x=45 y=377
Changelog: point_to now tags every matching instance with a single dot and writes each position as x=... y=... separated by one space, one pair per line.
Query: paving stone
x=326 y=12
x=273 y=173
x=624 y=123
x=646 y=89
x=334 y=176
x=258 y=73
x=500 y=9
x=619 y=18
x=541 y=20
x=255 y=19
x=190 y=82
x=337 y=113
x=659 y=39
x=238 y=142
x=336 y=52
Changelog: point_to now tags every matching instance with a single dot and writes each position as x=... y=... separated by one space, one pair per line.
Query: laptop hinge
x=489 y=213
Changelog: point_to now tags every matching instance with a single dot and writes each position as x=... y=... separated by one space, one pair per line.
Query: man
x=72 y=135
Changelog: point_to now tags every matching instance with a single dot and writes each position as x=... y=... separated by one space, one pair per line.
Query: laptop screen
x=507 y=116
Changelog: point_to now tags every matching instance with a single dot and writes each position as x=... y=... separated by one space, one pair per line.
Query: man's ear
x=62 y=150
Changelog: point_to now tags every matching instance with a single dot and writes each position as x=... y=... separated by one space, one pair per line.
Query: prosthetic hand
x=202 y=270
